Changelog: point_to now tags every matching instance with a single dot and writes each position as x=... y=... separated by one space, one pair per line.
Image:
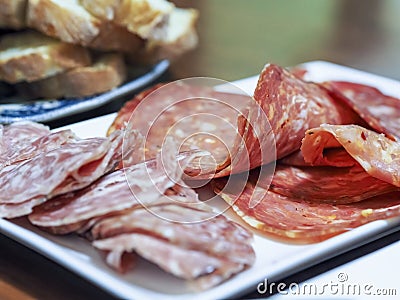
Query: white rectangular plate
x=275 y=259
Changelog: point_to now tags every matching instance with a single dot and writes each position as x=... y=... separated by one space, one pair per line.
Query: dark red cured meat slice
x=202 y=270
x=294 y=106
x=380 y=111
x=303 y=221
x=29 y=147
x=327 y=184
x=334 y=157
x=109 y=195
x=65 y=169
x=377 y=154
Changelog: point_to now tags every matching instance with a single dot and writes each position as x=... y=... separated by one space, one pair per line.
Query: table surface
x=237 y=38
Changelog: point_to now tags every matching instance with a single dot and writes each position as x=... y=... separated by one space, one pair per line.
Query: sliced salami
x=301 y=220
x=65 y=169
x=202 y=270
x=334 y=157
x=198 y=117
x=27 y=148
x=380 y=111
x=377 y=154
x=294 y=106
x=213 y=248
x=140 y=185
x=327 y=184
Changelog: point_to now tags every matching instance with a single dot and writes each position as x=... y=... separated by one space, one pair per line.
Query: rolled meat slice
x=303 y=221
x=380 y=111
x=377 y=154
x=67 y=168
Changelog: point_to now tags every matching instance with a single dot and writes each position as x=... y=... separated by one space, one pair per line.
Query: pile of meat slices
x=69 y=185
x=332 y=153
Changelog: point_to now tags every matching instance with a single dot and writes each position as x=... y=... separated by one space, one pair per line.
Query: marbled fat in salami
x=327 y=184
x=112 y=193
x=380 y=111
x=212 y=247
x=301 y=220
x=294 y=106
x=377 y=154
x=26 y=148
x=67 y=168
x=199 y=118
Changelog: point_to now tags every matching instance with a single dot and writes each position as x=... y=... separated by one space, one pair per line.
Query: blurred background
x=238 y=37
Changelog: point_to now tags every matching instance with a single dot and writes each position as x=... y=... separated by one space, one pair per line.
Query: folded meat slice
x=136 y=186
x=294 y=106
x=377 y=154
x=203 y=271
x=334 y=157
x=187 y=227
x=190 y=243
x=27 y=148
x=303 y=221
x=327 y=184
x=380 y=111
x=19 y=131
x=67 y=168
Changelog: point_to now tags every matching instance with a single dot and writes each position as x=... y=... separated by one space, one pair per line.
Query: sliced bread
x=146 y=18
x=12 y=13
x=181 y=36
x=72 y=23
x=107 y=72
x=30 y=56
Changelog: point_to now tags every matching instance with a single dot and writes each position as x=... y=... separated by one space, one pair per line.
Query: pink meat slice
x=203 y=270
x=29 y=147
x=138 y=185
x=377 y=154
x=214 y=235
x=380 y=111
x=62 y=170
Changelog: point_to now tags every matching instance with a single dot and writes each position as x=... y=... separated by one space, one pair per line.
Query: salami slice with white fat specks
x=213 y=248
x=294 y=106
x=303 y=221
x=377 y=154
x=380 y=111
x=327 y=184
x=67 y=168
x=135 y=186
x=199 y=118
x=29 y=147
